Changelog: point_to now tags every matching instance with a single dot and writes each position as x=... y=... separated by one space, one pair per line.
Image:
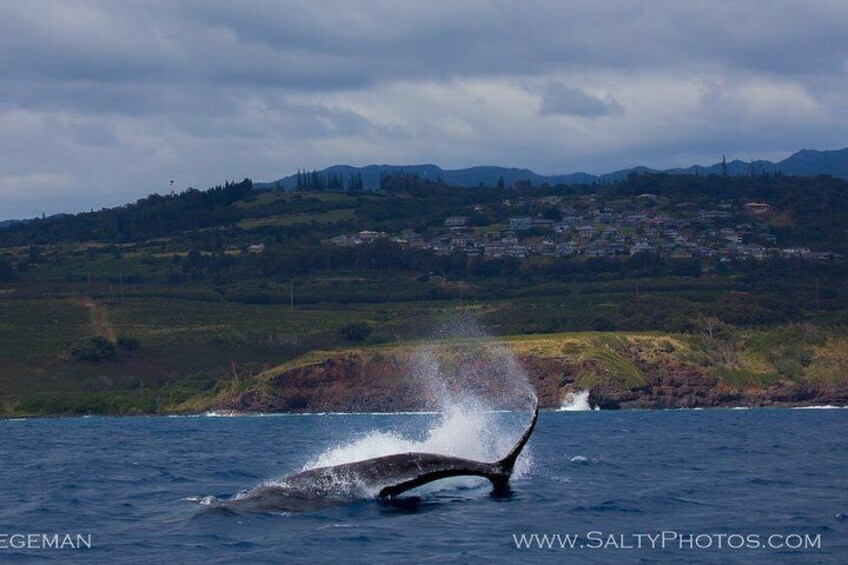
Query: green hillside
x=142 y=307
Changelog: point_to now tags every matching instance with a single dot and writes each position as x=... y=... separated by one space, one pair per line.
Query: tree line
x=314 y=181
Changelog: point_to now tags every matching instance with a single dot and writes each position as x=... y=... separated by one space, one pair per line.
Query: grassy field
x=191 y=342
x=272 y=197
x=330 y=217
x=38 y=329
x=165 y=343
x=185 y=335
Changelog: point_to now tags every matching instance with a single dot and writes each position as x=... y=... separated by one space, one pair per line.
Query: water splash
x=576 y=401
x=463 y=365
x=469 y=379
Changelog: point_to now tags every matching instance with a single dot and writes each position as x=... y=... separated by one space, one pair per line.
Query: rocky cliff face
x=365 y=381
x=690 y=387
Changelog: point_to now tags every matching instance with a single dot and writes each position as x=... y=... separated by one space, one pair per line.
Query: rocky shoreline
x=379 y=383
x=620 y=371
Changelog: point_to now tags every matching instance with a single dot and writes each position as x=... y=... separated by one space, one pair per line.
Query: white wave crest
x=576 y=402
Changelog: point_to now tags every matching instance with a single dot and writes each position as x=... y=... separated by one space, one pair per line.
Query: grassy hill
x=144 y=307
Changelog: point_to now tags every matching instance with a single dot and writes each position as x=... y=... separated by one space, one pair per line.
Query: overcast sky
x=104 y=102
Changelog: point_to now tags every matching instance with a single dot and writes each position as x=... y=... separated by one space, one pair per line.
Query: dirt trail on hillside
x=99 y=319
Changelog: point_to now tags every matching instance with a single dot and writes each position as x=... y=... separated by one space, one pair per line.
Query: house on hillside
x=456 y=222
x=586 y=230
x=794 y=252
x=757 y=207
x=367 y=236
x=521 y=223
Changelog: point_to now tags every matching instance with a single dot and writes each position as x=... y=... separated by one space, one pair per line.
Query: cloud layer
x=104 y=102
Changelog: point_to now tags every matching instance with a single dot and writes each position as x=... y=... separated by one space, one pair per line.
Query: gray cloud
x=103 y=102
x=558 y=98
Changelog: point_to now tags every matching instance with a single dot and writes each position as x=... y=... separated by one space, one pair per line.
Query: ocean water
x=609 y=478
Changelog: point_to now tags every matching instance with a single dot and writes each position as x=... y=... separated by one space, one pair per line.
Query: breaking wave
x=576 y=402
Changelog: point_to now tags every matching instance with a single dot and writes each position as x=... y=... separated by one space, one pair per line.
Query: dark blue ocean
x=608 y=478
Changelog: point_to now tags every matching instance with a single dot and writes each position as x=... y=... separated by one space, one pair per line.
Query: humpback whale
x=385 y=477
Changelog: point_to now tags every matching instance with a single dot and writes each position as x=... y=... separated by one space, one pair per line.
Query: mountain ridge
x=806 y=162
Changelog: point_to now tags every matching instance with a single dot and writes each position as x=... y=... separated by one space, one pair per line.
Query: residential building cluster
x=726 y=232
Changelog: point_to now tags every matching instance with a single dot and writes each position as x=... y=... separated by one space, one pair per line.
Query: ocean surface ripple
x=134 y=484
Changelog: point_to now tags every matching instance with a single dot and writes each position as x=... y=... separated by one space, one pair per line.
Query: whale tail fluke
x=498 y=472
x=506 y=464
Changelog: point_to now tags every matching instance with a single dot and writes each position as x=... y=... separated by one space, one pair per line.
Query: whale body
x=384 y=477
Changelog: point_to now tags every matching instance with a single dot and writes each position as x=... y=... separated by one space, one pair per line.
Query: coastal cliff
x=620 y=370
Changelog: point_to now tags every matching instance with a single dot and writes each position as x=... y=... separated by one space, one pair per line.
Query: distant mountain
x=9 y=223
x=810 y=163
x=474 y=176
x=803 y=163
